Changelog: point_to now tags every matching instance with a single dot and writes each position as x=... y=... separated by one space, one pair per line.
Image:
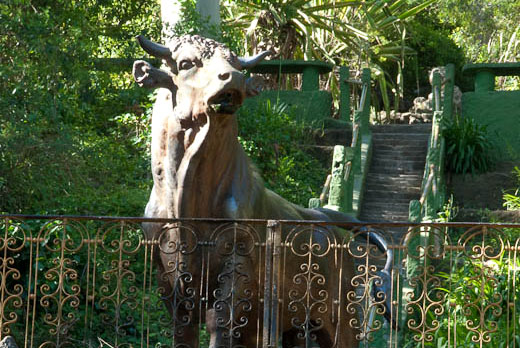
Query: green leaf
x=416 y=9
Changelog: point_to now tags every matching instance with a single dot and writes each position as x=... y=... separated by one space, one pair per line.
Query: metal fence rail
x=99 y=281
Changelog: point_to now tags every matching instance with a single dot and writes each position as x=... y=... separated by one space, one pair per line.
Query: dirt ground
x=478 y=196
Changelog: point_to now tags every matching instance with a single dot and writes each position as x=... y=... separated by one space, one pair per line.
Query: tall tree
x=210 y=9
x=172 y=15
x=171 y=11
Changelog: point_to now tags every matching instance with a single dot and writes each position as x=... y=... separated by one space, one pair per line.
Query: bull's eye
x=185 y=65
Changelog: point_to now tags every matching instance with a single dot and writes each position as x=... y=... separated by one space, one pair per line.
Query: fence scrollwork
x=77 y=281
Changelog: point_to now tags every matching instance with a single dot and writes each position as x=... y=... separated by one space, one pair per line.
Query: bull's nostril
x=224 y=76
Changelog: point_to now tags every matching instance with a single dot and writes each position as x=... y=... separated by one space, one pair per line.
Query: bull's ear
x=254 y=85
x=149 y=77
x=249 y=62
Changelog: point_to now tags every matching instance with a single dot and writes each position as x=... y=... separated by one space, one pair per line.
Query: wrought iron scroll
x=366 y=307
x=89 y=282
x=14 y=237
x=426 y=248
x=236 y=261
x=482 y=246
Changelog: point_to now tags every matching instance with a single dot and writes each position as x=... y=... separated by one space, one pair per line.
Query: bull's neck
x=204 y=174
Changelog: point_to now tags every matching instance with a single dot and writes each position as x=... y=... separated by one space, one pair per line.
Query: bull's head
x=204 y=76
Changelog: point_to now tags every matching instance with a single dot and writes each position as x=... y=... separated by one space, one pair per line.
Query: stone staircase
x=396 y=170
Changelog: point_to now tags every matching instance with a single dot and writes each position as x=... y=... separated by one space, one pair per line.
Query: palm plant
x=350 y=32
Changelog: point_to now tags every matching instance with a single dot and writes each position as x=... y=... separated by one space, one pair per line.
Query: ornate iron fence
x=84 y=281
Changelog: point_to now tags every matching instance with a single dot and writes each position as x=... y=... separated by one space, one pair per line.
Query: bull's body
x=201 y=171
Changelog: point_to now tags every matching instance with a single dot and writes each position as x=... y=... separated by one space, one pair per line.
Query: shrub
x=271 y=137
x=512 y=200
x=469 y=147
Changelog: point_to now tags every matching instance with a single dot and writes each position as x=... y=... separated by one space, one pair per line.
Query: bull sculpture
x=201 y=171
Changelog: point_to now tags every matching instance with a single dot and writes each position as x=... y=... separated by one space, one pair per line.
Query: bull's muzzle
x=226 y=102
x=231 y=96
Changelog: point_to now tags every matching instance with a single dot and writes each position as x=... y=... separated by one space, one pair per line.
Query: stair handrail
x=325 y=191
x=433 y=193
x=429 y=185
x=343 y=187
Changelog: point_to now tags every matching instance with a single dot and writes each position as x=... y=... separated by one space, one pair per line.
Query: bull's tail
x=381 y=289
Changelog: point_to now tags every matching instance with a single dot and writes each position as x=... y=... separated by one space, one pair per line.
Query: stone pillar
x=344 y=97
x=449 y=85
x=340 y=194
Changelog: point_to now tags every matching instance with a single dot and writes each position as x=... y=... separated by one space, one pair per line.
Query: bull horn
x=250 y=62
x=155 y=49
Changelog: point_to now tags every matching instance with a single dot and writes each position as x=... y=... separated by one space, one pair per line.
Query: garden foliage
x=469 y=146
x=272 y=138
x=71 y=126
x=512 y=198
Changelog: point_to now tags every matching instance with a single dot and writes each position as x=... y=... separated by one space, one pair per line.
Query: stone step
x=408 y=137
x=391 y=195
x=394 y=182
x=396 y=172
x=415 y=143
x=392 y=202
x=386 y=165
x=403 y=148
x=390 y=170
x=406 y=154
x=393 y=192
x=402 y=128
x=401 y=160
x=397 y=178
x=387 y=206
x=405 y=188
x=383 y=185
x=383 y=217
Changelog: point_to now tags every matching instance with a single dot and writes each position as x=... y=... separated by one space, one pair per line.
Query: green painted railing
x=433 y=196
x=343 y=188
x=310 y=104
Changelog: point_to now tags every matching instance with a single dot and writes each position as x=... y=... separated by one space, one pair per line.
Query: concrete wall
x=500 y=110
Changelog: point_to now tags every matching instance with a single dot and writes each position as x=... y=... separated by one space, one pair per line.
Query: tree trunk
x=171 y=14
x=210 y=9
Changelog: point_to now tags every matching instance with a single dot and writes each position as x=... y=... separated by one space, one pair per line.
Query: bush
x=271 y=137
x=512 y=200
x=469 y=147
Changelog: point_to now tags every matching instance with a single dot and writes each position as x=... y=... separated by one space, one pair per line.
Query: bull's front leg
x=232 y=319
x=178 y=272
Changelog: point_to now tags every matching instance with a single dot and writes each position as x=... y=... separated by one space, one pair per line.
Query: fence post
x=365 y=113
x=344 y=95
x=267 y=284
x=340 y=193
x=436 y=91
x=271 y=285
x=449 y=85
